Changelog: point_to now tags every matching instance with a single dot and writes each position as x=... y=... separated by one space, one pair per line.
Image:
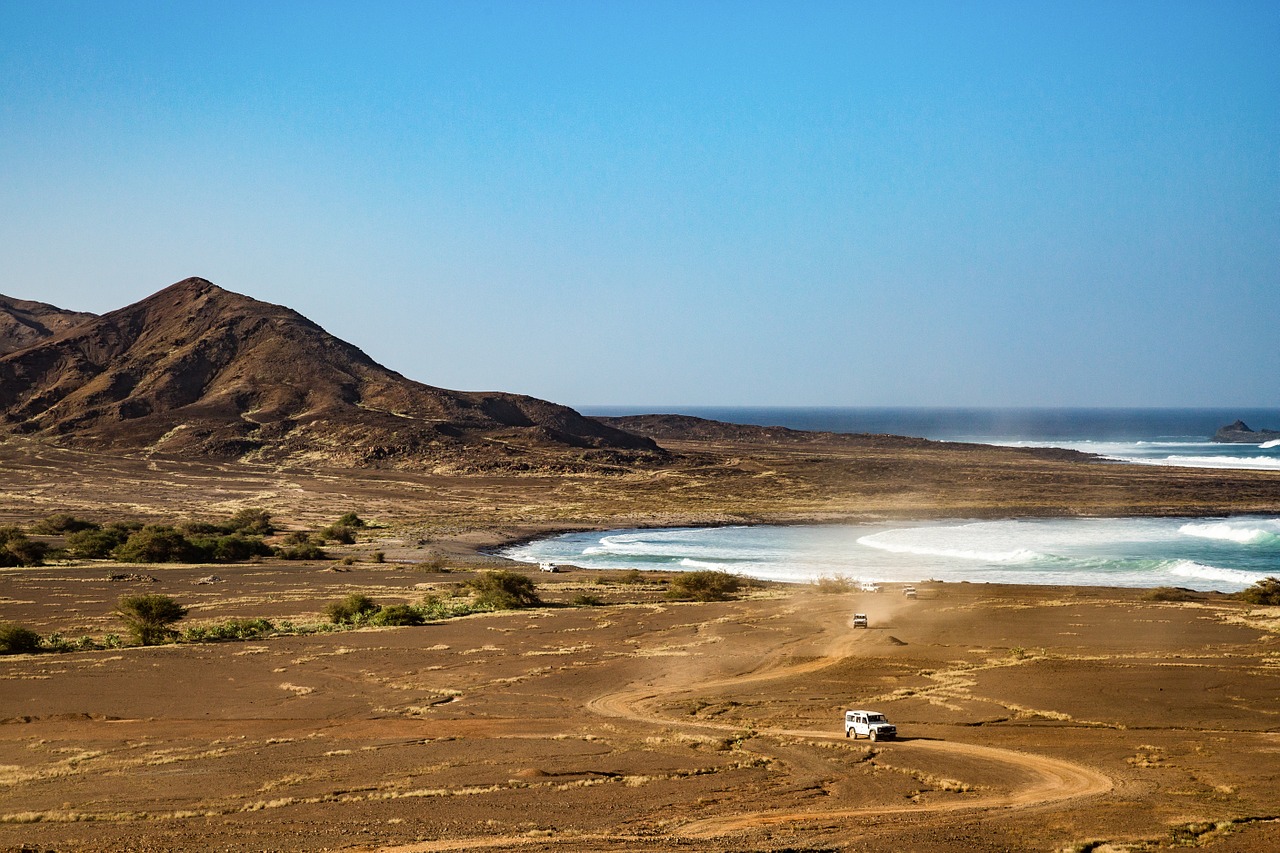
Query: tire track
x=1053 y=780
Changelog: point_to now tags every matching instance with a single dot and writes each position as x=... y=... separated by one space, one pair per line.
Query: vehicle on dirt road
x=860 y=620
x=909 y=591
x=868 y=724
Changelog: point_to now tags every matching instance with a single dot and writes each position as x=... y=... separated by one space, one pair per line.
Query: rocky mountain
x=198 y=370
x=1240 y=433
x=23 y=323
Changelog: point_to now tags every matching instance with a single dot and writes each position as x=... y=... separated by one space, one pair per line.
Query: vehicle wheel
x=846 y=732
x=872 y=734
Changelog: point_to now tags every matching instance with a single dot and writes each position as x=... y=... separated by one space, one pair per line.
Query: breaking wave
x=1223 y=554
x=1242 y=533
x=1199 y=571
x=884 y=542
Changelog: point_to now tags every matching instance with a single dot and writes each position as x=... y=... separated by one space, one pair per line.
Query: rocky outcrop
x=1240 y=433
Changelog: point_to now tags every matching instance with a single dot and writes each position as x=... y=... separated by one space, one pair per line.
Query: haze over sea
x=1225 y=554
x=1179 y=437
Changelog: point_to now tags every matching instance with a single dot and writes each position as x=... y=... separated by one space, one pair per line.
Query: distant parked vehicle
x=909 y=591
x=869 y=586
x=859 y=620
x=548 y=567
x=869 y=724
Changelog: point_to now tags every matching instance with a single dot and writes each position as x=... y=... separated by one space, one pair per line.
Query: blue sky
x=666 y=204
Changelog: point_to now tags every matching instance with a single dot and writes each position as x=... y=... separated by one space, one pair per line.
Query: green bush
x=251 y=521
x=149 y=617
x=157 y=543
x=445 y=607
x=587 y=600
x=303 y=551
x=231 y=630
x=704 y=585
x=98 y=544
x=397 y=614
x=17 y=639
x=17 y=550
x=356 y=607
x=231 y=548
x=55 y=642
x=60 y=523
x=350 y=519
x=504 y=590
x=339 y=533
x=1265 y=592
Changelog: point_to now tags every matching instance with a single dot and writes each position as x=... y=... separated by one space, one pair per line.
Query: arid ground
x=1031 y=718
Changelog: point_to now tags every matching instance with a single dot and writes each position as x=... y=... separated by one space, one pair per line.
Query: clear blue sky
x=790 y=203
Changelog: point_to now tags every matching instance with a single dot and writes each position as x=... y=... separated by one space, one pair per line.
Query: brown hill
x=673 y=429
x=199 y=370
x=23 y=323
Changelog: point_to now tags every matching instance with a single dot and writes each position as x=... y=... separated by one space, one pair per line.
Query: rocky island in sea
x=1240 y=433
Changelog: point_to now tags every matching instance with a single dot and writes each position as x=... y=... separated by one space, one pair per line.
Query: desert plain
x=1030 y=718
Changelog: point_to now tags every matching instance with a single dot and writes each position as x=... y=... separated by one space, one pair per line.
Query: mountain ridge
x=24 y=322
x=196 y=369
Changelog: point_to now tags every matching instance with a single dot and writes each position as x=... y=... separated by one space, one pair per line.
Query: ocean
x=1180 y=437
x=1224 y=554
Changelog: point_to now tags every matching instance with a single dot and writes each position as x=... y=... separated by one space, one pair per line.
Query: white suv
x=869 y=724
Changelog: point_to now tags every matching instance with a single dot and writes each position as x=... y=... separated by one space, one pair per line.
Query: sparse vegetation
x=17 y=550
x=339 y=533
x=62 y=523
x=156 y=543
x=397 y=614
x=98 y=543
x=350 y=519
x=504 y=590
x=356 y=607
x=251 y=521
x=17 y=639
x=301 y=546
x=704 y=585
x=1265 y=592
x=587 y=600
x=1170 y=593
x=149 y=617
x=830 y=585
x=229 y=631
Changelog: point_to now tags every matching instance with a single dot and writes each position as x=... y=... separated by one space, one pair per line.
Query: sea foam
x=1242 y=533
x=1199 y=571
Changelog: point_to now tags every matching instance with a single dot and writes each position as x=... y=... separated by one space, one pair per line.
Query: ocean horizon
x=1181 y=437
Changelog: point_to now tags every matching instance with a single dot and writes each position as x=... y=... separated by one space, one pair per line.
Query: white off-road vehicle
x=860 y=620
x=868 y=724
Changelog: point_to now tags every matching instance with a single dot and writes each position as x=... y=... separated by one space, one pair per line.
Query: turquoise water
x=1224 y=554
x=1208 y=554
